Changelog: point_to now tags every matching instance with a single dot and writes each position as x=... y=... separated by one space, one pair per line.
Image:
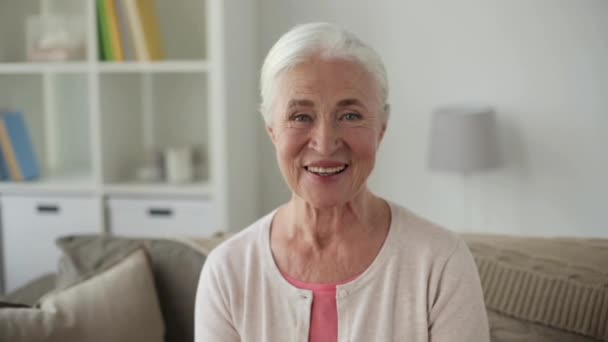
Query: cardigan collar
x=387 y=251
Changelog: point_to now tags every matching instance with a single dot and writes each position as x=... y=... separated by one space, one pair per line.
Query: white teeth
x=326 y=170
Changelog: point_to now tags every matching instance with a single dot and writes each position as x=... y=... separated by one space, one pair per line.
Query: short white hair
x=327 y=40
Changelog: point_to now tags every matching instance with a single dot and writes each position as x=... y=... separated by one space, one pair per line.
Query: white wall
x=543 y=64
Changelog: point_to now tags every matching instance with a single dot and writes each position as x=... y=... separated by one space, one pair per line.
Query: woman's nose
x=325 y=138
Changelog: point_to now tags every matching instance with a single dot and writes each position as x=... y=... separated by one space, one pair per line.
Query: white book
x=136 y=28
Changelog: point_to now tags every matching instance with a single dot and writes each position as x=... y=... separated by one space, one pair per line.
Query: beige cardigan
x=422 y=286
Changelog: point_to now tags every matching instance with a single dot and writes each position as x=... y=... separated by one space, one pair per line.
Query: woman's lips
x=326 y=171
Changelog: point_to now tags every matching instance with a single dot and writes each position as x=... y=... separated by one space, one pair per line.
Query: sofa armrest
x=30 y=293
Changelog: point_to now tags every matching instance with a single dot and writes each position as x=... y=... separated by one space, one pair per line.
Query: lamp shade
x=463 y=139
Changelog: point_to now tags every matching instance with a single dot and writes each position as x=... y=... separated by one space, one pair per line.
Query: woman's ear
x=386 y=113
x=382 y=131
x=271 y=133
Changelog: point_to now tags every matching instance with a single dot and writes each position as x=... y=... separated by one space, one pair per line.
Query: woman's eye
x=302 y=118
x=351 y=116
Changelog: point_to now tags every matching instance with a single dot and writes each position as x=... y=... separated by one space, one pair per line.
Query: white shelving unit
x=92 y=121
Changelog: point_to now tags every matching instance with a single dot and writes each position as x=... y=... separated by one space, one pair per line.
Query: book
x=145 y=29
x=104 y=31
x=125 y=33
x=113 y=30
x=17 y=148
x=151 y=27
x=137 y=33
x=6 y=152
x=101 y=54
x=4 y=175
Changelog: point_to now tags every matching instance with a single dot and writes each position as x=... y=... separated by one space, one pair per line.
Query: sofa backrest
x=176 y=265
x=556 y=282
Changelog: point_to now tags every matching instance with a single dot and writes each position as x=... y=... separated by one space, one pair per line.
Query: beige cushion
x=177 y=264
x=118 y=304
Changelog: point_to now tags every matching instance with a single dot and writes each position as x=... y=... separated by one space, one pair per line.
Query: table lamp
x=464 y=140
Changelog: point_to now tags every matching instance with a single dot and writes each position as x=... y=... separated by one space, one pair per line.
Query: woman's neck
x=328 y=245
x=320 y=227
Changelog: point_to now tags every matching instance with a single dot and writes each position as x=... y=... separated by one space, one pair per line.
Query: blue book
x=9 y=167
x=22 y=147
x=4 y=172
x=4 y=175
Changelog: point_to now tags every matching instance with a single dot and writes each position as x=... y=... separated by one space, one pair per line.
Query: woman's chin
x=326 y=198
x=323 y=203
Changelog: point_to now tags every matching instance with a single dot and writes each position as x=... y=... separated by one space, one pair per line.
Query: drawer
x=70 y=213
x=30 y=226
x=162 y=218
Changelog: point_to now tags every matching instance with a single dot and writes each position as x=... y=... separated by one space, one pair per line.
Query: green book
x=100 y=50
x=104 y=31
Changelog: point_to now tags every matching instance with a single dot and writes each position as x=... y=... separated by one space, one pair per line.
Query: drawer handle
x=48 y=209
x=160 y=212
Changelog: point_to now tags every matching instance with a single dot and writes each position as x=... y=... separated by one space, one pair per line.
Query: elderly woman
x=336 y=262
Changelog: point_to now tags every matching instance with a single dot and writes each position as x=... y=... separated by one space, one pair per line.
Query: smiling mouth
x=326 y=171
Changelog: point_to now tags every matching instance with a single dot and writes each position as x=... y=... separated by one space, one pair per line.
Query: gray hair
x=305 y=41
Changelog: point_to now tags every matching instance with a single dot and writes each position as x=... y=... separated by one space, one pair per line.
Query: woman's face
x=326 y=128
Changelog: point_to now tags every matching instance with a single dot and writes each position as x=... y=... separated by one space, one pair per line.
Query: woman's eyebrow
x=350 y=102
x=300 y=103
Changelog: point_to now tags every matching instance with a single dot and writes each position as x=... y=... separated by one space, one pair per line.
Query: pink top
x=324 y=312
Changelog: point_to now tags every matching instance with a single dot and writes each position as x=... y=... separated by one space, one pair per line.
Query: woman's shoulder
x=241 y=246
x=418 y=233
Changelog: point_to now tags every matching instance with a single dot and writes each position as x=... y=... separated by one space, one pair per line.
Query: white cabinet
x=162 y=218
x=32 y=223
x=92 y=121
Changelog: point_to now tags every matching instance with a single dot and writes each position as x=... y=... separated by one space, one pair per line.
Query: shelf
x=40 y=68
x=66 y=183
x=109 y=67
x=84 y=184
x=165 y=66
x=197 y=189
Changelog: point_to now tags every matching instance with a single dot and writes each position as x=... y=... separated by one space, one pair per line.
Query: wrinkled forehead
x=320 y=79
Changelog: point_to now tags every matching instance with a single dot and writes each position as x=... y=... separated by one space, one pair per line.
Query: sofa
x=536 y=289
